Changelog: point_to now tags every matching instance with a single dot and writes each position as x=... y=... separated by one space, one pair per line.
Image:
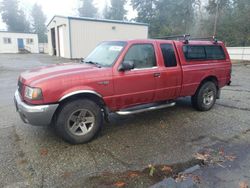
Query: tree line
x=229 y=20
x=165 y=17
x=114 y=11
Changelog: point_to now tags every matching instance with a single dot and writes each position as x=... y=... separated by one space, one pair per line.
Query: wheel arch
x=91 y=95
x=210 y=78
x=81 y=94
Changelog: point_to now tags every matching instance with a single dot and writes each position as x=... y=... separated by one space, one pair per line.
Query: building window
x=7 y=40
x=29 y=41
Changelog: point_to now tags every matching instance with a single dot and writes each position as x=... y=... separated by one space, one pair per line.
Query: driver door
x=136 y=86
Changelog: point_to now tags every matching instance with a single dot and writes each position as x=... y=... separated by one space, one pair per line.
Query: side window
x=7 y=40
x=194 y=52
x=143 y=55
x=29 y=41
x=168 y=55
x=215 y=52
x=204 y=52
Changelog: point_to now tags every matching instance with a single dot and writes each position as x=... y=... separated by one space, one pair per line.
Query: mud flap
x=218 y=94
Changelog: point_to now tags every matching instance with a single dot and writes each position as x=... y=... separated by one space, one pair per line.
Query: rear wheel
x=79 y=121
x=205 y=97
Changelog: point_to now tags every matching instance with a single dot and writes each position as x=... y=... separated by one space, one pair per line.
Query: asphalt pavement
x=35 y=157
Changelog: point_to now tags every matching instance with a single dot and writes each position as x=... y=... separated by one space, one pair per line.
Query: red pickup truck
x=122 y=77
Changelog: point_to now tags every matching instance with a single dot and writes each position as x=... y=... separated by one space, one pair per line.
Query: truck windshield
x=105 y=54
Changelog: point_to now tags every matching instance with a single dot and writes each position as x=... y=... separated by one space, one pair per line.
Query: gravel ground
x=35 y=157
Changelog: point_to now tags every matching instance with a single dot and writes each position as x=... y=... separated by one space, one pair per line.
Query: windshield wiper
x=93 y=63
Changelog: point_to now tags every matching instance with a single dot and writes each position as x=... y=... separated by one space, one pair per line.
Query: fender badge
x=103 y=83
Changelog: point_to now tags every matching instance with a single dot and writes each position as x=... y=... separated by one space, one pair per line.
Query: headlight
x=33 y=93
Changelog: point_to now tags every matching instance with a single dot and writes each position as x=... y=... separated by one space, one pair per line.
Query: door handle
x=157 y=74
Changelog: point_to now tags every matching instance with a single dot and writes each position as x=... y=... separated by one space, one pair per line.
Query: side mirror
x=126 y=65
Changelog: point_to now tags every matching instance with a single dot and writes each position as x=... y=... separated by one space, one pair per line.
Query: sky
x=61 y=7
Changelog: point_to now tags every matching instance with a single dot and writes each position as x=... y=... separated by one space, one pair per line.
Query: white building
x=18 y=42
x=75 y=37
x=239 y=53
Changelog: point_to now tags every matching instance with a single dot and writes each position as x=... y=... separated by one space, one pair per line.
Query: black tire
x=202 y=100
x=67 y=121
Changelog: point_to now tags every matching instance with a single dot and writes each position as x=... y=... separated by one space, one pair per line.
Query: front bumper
x=39 y=115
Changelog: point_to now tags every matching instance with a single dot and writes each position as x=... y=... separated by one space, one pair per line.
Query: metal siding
x=85 y=35
x=239 y=53
x=61 y=36
x=55 y=23
x=50 y=50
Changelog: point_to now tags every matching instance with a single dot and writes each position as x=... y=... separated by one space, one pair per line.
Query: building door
x=20 y=43
x=61 y=41
x=53 y=40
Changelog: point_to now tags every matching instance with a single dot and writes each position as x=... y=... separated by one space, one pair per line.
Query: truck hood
x=49 y=72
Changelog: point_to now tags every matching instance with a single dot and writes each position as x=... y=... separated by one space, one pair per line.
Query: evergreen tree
x=13 y=16
x=223 y=5
x=177 y=17
x=146 y=13
x=22 y=22
x=241 y=17
x=117 y=10
x=87 y=9
x=105 y=12
x=232 y=14
x=145 y=10
x=39 y=20
x=166 y=17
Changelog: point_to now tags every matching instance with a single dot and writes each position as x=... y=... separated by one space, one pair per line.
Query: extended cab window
x=168 y=55
x=204 y=52
x=143 y=56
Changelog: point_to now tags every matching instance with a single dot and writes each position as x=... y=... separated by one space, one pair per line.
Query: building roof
x=17 y=32
x=98 y=20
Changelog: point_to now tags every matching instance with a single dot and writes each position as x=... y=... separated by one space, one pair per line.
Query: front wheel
x=79 y=121
x=205 y=97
